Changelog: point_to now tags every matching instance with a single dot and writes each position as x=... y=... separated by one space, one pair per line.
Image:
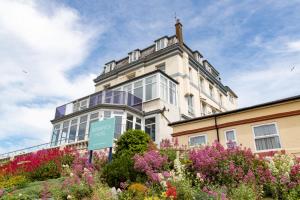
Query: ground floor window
x=197 y=140
x=230 y=138
x=150 y=127
x=266 y=137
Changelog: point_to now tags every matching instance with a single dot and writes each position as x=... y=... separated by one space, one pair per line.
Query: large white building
x=149 y=88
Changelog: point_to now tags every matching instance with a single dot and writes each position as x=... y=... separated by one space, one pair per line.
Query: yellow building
x=265 y=127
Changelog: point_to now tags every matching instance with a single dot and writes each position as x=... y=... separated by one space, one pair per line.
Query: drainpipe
x=217 y=129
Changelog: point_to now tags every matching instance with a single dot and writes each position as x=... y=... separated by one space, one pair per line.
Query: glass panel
x=93 y=100
x=199 y=140
x=55 y=135
x=64 y=132
x=172 y=93
x=138 y=122
x=129 y=122
x=138 y=127
x=230 y=136
x=94 y=116
x=99 y=98
x=107 y=114
x=83 y=104
x=60 y=111
x=138 y=89
x=73 y=132
x=265 y=130
x=117 y=97
x=267 y=143
x=163 y=88
x=118 y=126
x=76 y=106
x=108 y=96
x=81 y=132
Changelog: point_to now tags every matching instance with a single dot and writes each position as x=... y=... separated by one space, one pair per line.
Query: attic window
x=198 y=57
x=161 y=44
x=109 y=66
x=131 y=75
x=134 y=56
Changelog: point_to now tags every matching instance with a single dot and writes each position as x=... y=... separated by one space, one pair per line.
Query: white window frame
x=192 y=146
x=259 y=137
x=234 y=133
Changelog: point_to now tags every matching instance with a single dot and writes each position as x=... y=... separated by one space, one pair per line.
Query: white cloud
x=294 y=45
x=37 y=51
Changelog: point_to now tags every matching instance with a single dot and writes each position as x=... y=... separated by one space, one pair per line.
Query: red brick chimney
x=179 y=36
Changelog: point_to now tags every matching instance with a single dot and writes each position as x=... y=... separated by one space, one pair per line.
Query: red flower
x=171 y=191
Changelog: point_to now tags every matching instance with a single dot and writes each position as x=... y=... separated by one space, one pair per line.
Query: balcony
x=108 y=97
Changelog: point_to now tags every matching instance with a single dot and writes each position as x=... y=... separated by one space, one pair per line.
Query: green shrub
x=46 y=171
x=243 y=192
x=81 y=191
x=119 y=170
x=132 y=142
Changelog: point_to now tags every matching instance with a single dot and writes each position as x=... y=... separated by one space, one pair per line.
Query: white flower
x=71 y=174
x=69 y=197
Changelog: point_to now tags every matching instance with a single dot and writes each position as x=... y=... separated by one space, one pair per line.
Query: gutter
x=217 y=129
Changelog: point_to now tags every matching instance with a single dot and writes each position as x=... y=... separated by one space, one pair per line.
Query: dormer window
x=109 y=66
x=134 y=56
x=198 y=57
x=161 y=44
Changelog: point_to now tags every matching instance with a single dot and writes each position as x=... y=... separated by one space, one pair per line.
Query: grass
x=33 y=189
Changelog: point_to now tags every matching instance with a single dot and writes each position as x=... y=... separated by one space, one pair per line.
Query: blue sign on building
x=101 y=134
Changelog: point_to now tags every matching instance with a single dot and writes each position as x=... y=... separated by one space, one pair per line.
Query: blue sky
x=50 y=51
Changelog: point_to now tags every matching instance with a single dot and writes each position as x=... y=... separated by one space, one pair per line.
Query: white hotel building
x=148 y=89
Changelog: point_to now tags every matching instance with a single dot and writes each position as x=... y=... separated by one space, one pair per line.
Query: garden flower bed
x=139 y=170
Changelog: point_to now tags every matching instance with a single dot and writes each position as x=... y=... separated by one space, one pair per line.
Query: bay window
x=266 y=137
